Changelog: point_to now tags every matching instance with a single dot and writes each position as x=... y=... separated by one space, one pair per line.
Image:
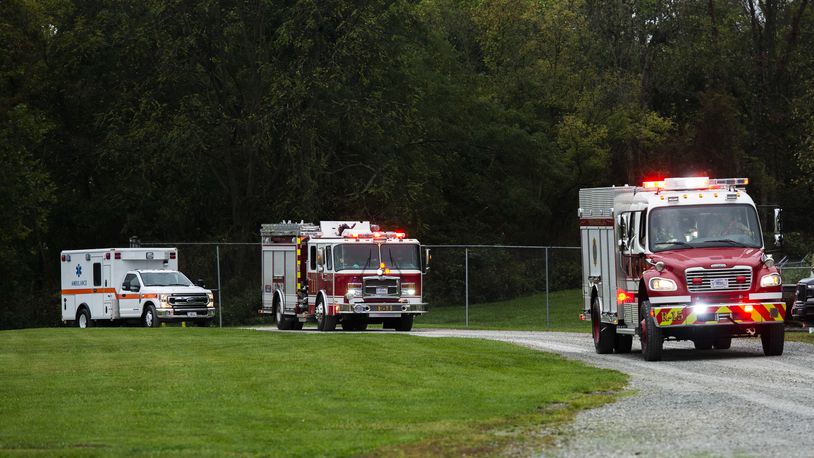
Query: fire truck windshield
x=401 y=256
x=704 y=226
x=356 y=256
x=165 y=279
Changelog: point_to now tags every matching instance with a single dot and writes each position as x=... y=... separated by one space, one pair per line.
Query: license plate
x=192 y=313
x=719 y=283
x=381 y=291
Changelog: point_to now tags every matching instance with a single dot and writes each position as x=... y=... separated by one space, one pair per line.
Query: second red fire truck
x=347 y=273
x=678 y=259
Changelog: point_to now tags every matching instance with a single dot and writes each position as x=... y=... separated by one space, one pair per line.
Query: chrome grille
x=718 y=279
x=189 y=300
x=802 y=293
x=375 y=286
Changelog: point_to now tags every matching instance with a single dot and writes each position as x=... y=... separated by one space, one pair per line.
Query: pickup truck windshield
x=356 y=256
x=400 y=256
x=165 y=279
x=704 y=226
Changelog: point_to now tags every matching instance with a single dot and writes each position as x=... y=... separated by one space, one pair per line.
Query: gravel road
x=694 y=403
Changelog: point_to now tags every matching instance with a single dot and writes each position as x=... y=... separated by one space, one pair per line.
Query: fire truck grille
x=381 y=287
x=701 y=280
x=189 y=301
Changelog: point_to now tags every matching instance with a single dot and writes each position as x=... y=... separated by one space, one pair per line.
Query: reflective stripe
x=68 y=292
x=669 y=299
x=764 y=296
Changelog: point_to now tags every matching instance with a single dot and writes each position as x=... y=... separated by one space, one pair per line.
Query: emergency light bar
x=681 y=183
x=351 y=234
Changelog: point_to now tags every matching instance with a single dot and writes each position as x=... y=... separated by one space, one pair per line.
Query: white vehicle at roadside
x=130 y=285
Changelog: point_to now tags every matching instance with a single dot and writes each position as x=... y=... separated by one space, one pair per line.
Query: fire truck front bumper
x=383 y=309
x=670 y=316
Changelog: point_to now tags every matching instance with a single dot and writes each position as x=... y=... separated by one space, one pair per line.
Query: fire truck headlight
x=770 y=280
x=662 y=284
x=354 y=290
x=408 y=289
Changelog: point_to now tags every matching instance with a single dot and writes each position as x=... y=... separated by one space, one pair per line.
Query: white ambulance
x=130 y=285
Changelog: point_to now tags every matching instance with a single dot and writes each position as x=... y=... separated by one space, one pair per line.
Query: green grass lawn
x=525 y=313
x=194 y=391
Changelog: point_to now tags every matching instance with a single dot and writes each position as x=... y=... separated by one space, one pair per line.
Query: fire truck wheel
x=623 y=343
x=83 y=319
x=772 y=339
x=652 y=341
x=603 y=333
x=405 y=323
x=723 y=343
x=283 y=323
x=150 y=319
x=324 y=321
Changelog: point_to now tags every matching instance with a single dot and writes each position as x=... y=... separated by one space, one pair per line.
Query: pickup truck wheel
x=623 y=343
x=772 y=339
x=324 y=322
x=723 y=343
x=405 y=323
x=296 y=324
x=83 y=319
x=150 y=319
x=603 y=333
x=652 y=340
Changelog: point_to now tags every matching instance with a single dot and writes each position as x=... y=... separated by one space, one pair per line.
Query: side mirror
x=427 y=259
x=778 y=227
x=200 y=282
x=320 y=259
x=125 y=287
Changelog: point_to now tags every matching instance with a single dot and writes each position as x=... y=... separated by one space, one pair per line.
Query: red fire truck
x=341 y=272
x=678 y=259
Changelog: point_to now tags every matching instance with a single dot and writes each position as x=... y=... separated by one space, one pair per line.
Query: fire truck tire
x=149 y=319
x=283 y=323
x=83 y=319
x=405 y=323
x=723 y=343
x=325 y=322
x=772 y=339
x=603 y=333
x=623 y=343
x=652 y=340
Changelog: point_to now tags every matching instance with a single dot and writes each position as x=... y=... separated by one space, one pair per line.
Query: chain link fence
x=504 y=287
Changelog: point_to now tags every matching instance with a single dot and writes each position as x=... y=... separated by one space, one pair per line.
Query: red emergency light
x=107 y=255
x=623 y=296
x=172 y=255
x=117 y=255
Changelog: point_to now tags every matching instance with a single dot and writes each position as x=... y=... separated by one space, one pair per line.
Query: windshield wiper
x=729 y=241
x=677 y=242
x=393 y=263
x=367 y=263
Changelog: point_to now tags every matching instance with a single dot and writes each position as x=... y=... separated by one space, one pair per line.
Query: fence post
x=547 y=320
x=466 y=282
x=220 y=301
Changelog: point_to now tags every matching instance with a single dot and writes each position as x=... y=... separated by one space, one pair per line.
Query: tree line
x=460 y=121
